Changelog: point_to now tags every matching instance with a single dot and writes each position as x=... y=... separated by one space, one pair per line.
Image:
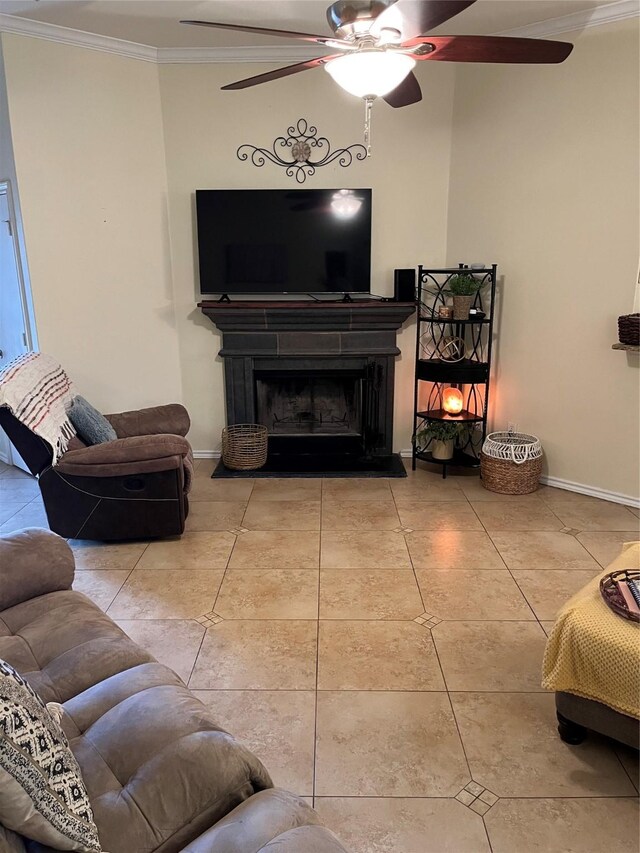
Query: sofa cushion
x=62 y=643
x=158 y=769
x=90 y=424
x=11 y=842
x=42 y=794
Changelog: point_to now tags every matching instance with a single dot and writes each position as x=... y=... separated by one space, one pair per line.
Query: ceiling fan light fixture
x=370 y=73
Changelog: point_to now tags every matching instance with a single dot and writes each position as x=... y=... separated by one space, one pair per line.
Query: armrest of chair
x=33 y=562
x=172 y=419
x=269 y=820
x=126 y=456
x=134 y=449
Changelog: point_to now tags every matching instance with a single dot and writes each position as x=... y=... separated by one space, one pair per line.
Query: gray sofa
x=160 y=773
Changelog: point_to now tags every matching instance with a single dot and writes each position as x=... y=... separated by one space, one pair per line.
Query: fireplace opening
x=296 y=404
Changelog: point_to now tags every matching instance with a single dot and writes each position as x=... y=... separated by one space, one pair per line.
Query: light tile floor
x=378 y=643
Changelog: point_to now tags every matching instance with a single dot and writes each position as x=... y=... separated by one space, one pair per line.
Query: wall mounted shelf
x=627 y=347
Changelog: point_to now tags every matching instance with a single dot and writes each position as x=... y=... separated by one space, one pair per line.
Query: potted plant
x=464 y=287
x=442 y=435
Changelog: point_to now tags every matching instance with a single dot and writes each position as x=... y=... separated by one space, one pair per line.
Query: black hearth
x=320 y=376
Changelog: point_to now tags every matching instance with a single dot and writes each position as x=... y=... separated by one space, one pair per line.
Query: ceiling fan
x=379 y=42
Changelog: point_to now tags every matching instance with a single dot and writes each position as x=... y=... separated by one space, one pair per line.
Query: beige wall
x=87 y=134
x=544 y=181
x=408 y=172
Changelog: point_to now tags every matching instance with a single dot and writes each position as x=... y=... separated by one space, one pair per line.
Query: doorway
x=16 y=335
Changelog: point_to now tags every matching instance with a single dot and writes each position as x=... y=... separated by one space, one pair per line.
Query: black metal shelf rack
x=436 y=368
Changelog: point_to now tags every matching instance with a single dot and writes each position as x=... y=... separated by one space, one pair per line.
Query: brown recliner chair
x=132 y=488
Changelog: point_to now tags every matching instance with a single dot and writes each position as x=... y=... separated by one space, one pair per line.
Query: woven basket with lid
x=511 y=463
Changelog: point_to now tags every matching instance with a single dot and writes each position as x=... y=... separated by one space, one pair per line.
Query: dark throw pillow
x=91 y=426
x=42 y=794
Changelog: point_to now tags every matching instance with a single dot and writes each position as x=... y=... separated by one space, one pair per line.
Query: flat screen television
x=284 y=241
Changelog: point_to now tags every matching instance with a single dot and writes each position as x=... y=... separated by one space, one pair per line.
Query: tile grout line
x=117 y=593
x=444 y=681
x=215 y=601
x=464 y=751
x=144 y=551
x=622 y=764
x=514 y=579
x=486 y=828
x=126 y=580
x=315 y=695
x=453 y=713
x=197 y=654
x=246 y=510
x=24 y=506
x=226 y=569
x=410 y=797
x=413 y=568
x=406 y=619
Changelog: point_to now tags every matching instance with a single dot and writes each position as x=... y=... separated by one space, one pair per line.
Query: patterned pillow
x=42 y=795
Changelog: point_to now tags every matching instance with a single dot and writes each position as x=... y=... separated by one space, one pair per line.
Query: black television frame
x=327 y=294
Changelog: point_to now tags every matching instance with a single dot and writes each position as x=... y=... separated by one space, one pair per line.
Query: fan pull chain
x=368 y=103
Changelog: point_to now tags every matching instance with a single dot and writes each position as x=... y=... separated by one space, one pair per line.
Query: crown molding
x=79 y=38
x=620 y=11
x=253 y=53
x=584 y=20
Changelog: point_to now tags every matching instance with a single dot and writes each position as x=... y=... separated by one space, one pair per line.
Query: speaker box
x=404 y=285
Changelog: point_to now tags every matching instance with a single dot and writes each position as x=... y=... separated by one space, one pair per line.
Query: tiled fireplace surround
x=299 y=338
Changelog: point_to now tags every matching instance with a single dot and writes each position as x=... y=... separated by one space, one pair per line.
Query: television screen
x=284 y=241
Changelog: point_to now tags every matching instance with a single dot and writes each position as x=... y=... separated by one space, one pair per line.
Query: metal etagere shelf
x=453 y=353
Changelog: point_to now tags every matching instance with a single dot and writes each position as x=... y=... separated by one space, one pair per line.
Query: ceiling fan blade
x=261 y=31
x=279 y=72
x=408 y=92
x=416 y=17
x=492 y=49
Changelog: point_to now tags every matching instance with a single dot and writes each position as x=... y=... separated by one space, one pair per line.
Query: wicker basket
x=612 y=594
x=461 y=307
x=629 y=329
x=244 y=446
x=511 y=463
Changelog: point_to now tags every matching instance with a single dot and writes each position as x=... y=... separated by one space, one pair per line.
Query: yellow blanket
x=594 y=653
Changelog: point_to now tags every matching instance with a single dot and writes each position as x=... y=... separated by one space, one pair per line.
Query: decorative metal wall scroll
x=301 y=142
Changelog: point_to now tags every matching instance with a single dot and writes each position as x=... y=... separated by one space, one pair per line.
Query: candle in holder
x=452 y=401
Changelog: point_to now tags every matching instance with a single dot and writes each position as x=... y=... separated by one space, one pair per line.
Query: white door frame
x=30 y=342
x=26 y=305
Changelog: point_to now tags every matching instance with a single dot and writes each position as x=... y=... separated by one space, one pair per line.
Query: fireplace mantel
x=283 y=315
x=311 y=337
x=306 y=328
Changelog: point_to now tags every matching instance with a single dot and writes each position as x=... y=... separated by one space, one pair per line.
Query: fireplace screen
x=310 y=404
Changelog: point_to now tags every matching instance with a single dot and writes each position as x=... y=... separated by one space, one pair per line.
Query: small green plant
x=441 y=431
x=464 y=285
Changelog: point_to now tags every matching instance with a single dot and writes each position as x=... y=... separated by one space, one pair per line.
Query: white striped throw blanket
x=38 y=392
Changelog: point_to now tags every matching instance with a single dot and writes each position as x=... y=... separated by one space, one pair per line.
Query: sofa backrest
x=34 y=450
